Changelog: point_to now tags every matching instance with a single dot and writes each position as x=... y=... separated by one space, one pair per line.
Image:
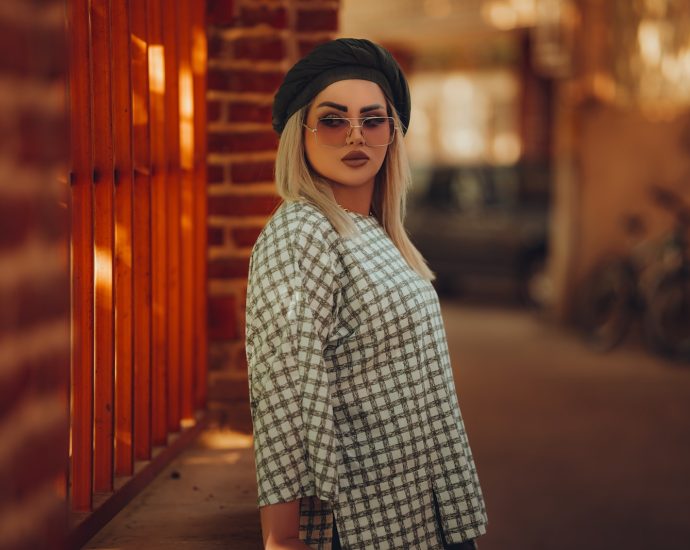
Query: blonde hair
x=296 y=181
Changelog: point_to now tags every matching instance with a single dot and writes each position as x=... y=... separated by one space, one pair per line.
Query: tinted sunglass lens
x=377 y=131
x=333 y=131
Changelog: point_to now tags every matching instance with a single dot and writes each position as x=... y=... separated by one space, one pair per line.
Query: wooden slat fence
x=138 y=241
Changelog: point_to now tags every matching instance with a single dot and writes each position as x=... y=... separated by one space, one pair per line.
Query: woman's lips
x=356 y=163
x=355 y=159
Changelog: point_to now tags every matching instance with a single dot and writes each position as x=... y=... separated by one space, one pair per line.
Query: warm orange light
x=500 y=15
x=649 y=39
x=437 y=8
x=225 y=439
x=103 y=265
x=506 y=148
x=458 y=118
x=157 y=69
x=509 y=14
x=186 y=118
x=124 y=245
x=203 y=460
x=140 y=109
x=139 y=46
x=199 y=51
x=604 y=86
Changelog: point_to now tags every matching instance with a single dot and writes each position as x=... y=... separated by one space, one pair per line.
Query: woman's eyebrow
x=370 y=108
x=343 y=108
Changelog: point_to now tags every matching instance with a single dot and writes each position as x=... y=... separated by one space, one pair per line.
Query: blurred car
x=481 y=223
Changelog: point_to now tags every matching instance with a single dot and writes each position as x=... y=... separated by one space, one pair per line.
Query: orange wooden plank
x=103 y=245
x=122 y=130
x=172 y=116
x=142 y=230
x=200 y=202
x=81 y=261
x=157 y=82
x=187 y=207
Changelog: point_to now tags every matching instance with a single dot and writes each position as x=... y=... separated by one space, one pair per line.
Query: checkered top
x=352 y=394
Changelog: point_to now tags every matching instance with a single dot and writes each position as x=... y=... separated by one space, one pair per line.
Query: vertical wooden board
x=172 y=117
x=81 y=261
x=103 y=245
x=124 y=315
x=157 y=83
x=186 y=109
x=199 y=63
x=142 y=230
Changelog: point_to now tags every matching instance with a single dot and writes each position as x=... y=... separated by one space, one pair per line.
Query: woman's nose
x=355 y=135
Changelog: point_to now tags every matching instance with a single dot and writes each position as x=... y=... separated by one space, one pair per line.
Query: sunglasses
x=377 y=131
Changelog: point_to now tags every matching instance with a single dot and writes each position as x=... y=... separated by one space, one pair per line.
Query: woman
x=358 y=437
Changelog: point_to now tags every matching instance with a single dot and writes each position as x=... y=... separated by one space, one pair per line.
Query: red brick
x=220 y=12
x=259 y=48
x=12 y=388
x=240 y=80
x=215 y=173
x=228 y=268
x=32 y=50
x=217 y=46
x=36 y=462
x=222 y=318
x=50 y=371
x=32 y=303
x=249 y=172
x=41 y=302
x=216 y=236
x=33 y=60
x=247 y=205
x=17 y=217
x=214 y=109
x=305 y=46
x=245 y=236
x=317 y=20
x=272 y=16
x=41 y=138
x=403 y=56
x=236 y=141
x=53 y=216
x=245 y=111
x=242 y=297
x=240 y=363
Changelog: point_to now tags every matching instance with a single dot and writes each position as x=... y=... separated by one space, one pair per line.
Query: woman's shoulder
x=297 y=224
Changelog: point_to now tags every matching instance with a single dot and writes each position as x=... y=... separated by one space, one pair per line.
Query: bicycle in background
x=651 y=283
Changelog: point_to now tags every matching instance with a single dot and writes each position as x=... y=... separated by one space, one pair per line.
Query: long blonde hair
x=296 y=181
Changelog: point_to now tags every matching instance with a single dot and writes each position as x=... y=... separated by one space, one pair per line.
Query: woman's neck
x=355 y=199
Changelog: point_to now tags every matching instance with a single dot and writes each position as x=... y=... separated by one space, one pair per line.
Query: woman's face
x=352 y=99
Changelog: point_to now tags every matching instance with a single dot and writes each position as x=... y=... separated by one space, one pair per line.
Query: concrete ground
x=574 y=450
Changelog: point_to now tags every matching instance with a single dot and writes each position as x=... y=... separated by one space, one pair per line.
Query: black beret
x=341 y=59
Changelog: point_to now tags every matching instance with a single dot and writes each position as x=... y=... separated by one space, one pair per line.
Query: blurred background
x=550 y=144
x=550 y=149
x=540 y=129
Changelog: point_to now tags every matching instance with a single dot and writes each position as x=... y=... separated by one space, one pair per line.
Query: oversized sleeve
x=292 y=297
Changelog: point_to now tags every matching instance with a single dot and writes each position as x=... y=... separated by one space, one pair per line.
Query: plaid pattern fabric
x=351 y=389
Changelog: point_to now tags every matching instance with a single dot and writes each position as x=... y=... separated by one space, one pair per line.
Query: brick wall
x=34 y=284
x=252 y=43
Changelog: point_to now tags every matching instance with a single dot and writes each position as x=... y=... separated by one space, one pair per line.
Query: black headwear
x=341 y=59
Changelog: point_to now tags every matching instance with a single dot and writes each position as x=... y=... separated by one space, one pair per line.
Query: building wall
x=251 y=44
x=34 y=276
x=623 y=153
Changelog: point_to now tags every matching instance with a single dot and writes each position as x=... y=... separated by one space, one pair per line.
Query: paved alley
x=574 y=449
